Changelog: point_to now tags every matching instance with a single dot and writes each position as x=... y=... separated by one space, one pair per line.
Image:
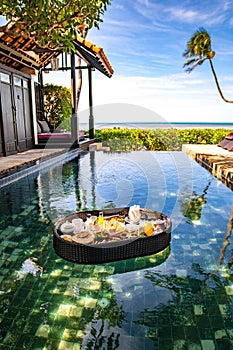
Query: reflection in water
x=192 y=204
x=226 y=243
x=93 y=179
x=98 y=337
x=97 y=180
x=190 y=307
x=30 y=267
x=104 y=331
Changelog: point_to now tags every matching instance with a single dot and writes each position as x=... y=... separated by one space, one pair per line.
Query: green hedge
x=157 y=139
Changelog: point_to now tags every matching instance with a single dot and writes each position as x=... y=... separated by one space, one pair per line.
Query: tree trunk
x=75 y=118
x=79 y=82
x=217 y=83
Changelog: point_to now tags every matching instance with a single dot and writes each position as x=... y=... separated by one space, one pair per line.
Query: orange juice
x=148 y=229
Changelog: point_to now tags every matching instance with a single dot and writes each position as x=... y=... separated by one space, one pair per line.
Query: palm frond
x=190 y=62
x=199 y=44
x=190 y=69
x=198 y=49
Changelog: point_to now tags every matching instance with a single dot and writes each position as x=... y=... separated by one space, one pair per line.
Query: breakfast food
x=114 y=228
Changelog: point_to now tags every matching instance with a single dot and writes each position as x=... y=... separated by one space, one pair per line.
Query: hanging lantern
x=54 y=63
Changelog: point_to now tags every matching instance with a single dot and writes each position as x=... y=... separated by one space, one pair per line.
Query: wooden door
x=8 y=114
x=27 y=113
x=19 y=115
x=1 y=139
x=15 y=112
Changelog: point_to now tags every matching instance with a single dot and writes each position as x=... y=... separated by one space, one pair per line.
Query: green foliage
x=53 y=24
x=57 y=105
x=199 y=44
x=128 y=140
x=198 y=49
x=203 y=136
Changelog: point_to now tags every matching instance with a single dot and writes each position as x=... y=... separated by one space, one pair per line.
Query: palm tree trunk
x=217 y=83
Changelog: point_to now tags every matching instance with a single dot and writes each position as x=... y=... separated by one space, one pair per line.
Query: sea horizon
x=154 y=125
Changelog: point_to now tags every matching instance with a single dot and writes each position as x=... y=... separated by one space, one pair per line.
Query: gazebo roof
x=93 y=55
x=23 y=54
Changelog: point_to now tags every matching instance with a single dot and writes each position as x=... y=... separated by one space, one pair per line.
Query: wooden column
x=91 y=116
x=74 y=118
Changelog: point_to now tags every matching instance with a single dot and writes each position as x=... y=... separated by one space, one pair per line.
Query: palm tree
x=198 y=51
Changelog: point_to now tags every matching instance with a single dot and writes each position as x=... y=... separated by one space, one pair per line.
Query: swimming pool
x=181 y=298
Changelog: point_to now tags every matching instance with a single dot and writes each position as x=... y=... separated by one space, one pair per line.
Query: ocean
x=157 y=125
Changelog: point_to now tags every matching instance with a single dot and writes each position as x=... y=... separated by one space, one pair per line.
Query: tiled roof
x=23 y=54
x=93 y=55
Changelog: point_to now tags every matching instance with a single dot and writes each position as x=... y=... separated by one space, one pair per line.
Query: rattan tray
x=106 y=252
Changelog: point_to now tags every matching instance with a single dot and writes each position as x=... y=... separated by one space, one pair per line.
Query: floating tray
x=111 y=251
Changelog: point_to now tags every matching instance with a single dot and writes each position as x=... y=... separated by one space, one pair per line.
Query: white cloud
x=186 y=15
x=176 y=97
x=212 y=13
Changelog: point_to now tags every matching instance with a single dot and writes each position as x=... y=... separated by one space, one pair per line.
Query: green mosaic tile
x=69 y=335
x=74 y=323
x=223 y=308
x=57 y=330
x=65 y=345
x=206 y=333
x=193 y=345
x=25 y=341
x=220 y=333
x=229 y=290
x=165 y=332
x=165 y=344
x=224 y=344
x=199 y=310
x=192 y=333
x=178 y=332
x=179 y=344
x=51 y=344
x=208 y=344
x=203 y=321
x=39 y=343
x=213 y=310
x=216 y=322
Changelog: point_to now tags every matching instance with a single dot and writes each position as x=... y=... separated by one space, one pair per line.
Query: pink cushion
x=229 y=136
x=56 y=135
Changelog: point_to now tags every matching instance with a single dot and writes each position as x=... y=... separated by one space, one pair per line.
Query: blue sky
x=144 y=41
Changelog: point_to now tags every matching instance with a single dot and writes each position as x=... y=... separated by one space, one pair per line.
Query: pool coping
x=218 y=161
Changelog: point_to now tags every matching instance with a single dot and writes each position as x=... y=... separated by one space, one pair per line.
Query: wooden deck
x=217 y=160
x=14 y=163
x=19 y=161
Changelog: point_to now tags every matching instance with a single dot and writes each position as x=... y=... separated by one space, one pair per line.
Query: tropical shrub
x=157 y=139
x=57 y=106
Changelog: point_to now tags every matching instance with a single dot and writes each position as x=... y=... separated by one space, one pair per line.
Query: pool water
x=181 y=298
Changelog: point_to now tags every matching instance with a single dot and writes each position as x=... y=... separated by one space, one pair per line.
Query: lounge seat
x=227 y=142
x=44 y=133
